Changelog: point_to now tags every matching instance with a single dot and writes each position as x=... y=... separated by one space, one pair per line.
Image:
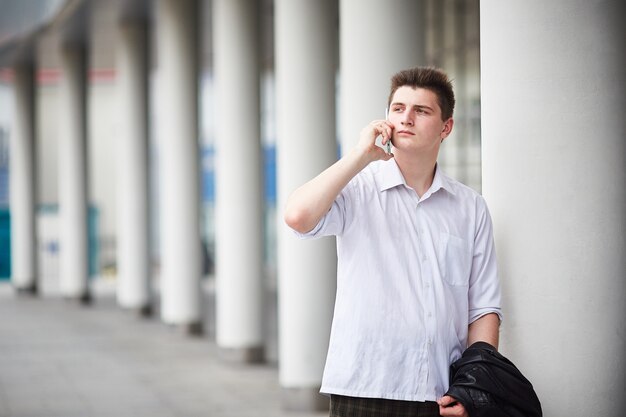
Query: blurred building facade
x=173 y=120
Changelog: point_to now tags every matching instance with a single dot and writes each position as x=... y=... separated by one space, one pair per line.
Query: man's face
x=416 y=116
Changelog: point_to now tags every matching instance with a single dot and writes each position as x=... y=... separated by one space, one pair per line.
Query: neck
x=418 y=171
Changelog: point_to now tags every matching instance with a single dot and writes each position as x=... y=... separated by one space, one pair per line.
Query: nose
x=407 y=120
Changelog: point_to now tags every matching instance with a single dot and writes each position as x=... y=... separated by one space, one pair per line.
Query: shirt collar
x=390 y=177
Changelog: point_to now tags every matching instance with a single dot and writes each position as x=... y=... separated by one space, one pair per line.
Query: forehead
x=415 y=96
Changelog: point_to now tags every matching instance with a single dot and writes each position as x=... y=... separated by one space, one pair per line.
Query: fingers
x=445 y=401
x=367 y=141
x=448 y=406
x=456 y=411
x=383 y=128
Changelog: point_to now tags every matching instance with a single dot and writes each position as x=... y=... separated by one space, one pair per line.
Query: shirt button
x=429 y=314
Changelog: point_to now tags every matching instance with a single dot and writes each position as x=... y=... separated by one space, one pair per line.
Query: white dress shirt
x=412 y=275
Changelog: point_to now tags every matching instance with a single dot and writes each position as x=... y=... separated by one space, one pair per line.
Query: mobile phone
x=388 y=145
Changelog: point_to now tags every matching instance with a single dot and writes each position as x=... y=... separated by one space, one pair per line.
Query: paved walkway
x=58 y=358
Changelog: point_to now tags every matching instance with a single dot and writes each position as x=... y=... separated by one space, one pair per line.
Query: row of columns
x=542 y=161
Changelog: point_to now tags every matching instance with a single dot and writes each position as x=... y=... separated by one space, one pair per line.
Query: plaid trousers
x=341 y=406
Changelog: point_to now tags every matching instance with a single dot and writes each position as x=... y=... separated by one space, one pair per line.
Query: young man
x=416 y=278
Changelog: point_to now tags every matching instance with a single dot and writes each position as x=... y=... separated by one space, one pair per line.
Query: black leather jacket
x=489 y=385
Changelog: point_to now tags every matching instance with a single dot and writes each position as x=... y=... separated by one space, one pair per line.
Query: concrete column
x=22 y=182
x=460 y=141
x=179 y=164
x=239 y=185
x=377 y=39
x=306 y=39
x=133 y=256
x=554 y=169
x=74 y=245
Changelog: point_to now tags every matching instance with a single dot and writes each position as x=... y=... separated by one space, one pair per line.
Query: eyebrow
x=417 y=106
x=423 y=107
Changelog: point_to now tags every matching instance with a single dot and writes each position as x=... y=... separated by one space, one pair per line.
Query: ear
x=447 y=128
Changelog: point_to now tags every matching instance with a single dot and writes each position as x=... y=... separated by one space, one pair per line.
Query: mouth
x=405 y=132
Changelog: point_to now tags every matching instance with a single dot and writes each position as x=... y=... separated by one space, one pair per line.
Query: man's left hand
x=446 y=407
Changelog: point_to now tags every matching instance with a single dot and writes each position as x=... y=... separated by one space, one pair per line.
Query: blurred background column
x=554 y=169
x=306 y=51
x=23 y=178
x=73 y=181
x=176 y=22
x=239 y=185
x=133 y=255
x=377 y=39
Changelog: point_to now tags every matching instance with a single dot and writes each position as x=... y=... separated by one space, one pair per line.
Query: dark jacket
x=489 y=385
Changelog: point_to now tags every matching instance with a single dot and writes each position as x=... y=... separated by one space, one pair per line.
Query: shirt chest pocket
x=455 y=260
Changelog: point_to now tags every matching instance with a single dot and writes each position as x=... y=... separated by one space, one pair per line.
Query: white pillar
x=22 y=182
x=306 y=44
x=377 y=39
x=554 y=169
x=74 y=247
x=179 y=165
x=239 y=185
x=133 y=254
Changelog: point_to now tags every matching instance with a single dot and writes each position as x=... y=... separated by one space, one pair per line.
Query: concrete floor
x=58 y=358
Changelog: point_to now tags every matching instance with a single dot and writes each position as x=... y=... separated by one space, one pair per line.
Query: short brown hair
x=429 y=78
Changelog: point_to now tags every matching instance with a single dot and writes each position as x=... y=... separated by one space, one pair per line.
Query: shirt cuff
x=477 y=313
x=310 y=233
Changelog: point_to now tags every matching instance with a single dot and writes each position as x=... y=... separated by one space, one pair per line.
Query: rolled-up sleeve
x=484 y=289
x=333 y=222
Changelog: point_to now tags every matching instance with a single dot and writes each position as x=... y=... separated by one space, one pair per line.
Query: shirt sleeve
x=484 y=289
x=333 y=222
